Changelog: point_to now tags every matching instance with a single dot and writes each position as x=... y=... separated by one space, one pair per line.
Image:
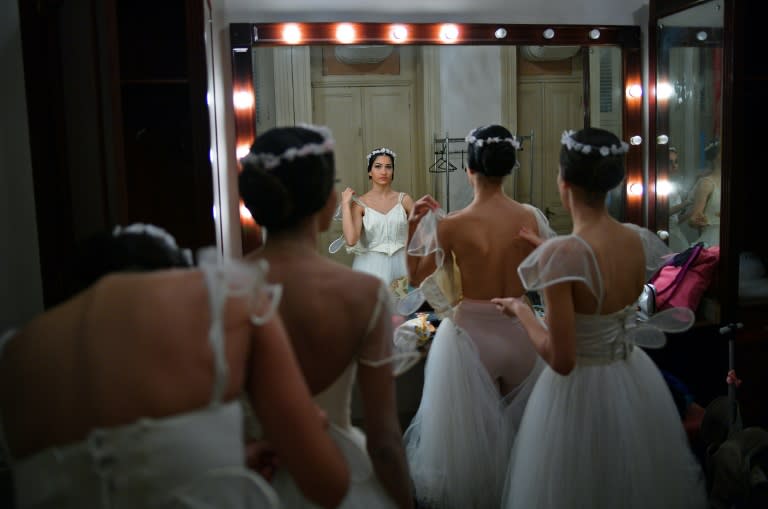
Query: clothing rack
x=442 y=164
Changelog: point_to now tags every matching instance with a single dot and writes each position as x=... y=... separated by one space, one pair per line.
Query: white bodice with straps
x=195 y=459
x=383 y=232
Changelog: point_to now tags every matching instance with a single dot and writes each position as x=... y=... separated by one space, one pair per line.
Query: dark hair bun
x=280 y=187
x=595 y=171
x=490 y=151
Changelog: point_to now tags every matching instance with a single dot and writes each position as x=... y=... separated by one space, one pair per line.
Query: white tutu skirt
x=365 y=491
x=385 y=267
x=710 y=235
x=606 y=436
x=459 y=442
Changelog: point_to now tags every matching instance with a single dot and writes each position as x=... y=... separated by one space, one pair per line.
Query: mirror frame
x=246 y=36
x=727 y=290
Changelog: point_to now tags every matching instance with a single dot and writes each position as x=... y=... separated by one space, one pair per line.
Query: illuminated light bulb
x=664 y=187
x=548 y=33
x=636 y=140
x=664 y=90
x=662 y=139
x=345 y=33
x=594 y=34
x=635 y=90
x=635 y=189
x=399 y=33
x=242 y=151
x=245 y=214
x=242 y=100
x=702 y=36
x=500 y=33
x=449 y=32
x=292 y=33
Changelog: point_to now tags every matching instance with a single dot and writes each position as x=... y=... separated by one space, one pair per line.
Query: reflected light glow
x=242 y=151
x=243 y=100
x=245 y=214
x=449 y=33
x=634 y=90
x=292 y=33
x=635 y=189
x=399 y=34
x=345 y=33
x=664 y=91
x=664 y=187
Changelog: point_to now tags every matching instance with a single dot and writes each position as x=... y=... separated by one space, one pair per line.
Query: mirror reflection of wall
x=421 y=101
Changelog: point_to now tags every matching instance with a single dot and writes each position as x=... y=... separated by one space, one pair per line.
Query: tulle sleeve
x=378 y=345
x=558 y=260
x=655 y=250
x=545 y=231
x=424 y=239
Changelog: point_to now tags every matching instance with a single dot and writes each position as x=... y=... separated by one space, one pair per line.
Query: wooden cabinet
x=119 y=127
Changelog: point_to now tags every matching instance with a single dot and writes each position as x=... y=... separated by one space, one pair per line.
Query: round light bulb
x=291 y=33
x=662 y=139
x=345 y=33
x=548 y=33
x=594 y=34
x=399 y=33
x=449 y=32
x=636 y=140
x=500 y=33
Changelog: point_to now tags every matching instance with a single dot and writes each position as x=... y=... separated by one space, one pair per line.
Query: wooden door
x=363 y=118
x=547 y=108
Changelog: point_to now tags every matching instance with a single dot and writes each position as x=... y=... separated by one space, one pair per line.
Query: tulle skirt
x=365 y=491
x=459 y=442
x=606 y=436
x=385 y=267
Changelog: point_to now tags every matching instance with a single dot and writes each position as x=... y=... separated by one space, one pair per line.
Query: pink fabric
x=683 y=286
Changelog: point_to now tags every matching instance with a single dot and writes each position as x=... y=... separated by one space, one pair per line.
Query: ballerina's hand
x=421 y=207
x=510 y=306
x=531 y=237
x=346 y=195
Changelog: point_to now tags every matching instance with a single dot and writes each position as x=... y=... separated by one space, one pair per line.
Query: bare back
x=620 y=258
x=101 y=359
x=485 y=239
x=326 y=308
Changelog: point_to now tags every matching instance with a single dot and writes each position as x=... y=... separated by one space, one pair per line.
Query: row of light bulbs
x=447 y=33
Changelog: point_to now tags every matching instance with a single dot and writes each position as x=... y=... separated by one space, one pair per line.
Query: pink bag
x=682 y=280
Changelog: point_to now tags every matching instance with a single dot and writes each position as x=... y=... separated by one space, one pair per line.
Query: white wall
x=21 y=293
x=595 y=12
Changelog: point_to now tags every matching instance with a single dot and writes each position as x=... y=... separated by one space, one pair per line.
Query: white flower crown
x=269 y=161
x=378 y=152
x=571 y=144
x=152 y=231
x=479 y=142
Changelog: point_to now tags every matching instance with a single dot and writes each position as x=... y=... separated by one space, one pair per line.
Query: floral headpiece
x=479 y=142
x=572 y=144
x=378 y=152
x=269 y=161
x=152 y=231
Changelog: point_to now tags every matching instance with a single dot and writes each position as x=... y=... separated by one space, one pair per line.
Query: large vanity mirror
x=420 y=88
x=689 y=125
